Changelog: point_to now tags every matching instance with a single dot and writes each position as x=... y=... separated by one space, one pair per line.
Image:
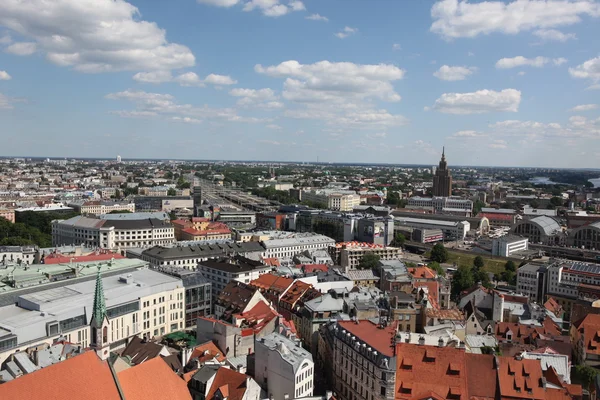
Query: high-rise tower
x=99 y=323
x=442 y=180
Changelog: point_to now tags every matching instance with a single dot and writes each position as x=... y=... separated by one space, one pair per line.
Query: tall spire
x=99 y=303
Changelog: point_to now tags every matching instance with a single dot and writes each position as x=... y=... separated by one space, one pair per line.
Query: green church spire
x=99 y=303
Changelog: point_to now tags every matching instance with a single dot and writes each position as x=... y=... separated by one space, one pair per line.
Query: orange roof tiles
x=152 y=380
x=520 y=379
x=433 y=288
x=295 y=293
x=207 y=351
x=228 y=380
x=481 y=376
x=258 y=316
x=380 y=339
x=272 y=282
x=272 y=261
x=553 y=306
x=81 y=377
x=525 y=334
x=310 y=268
x=57 y=258
x=587 y=329
x=431 y=371
x=422 y=272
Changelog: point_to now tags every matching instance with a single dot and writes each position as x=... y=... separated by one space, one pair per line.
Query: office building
x=531 y=282
x=333 y=199
x=288 y=245
x=112 y=234
x=18 y=255
x=452 y=230
x=220 y=273
x=140 y=302
x=509 y=246
x=499 y=216
x=442 y=205
x=160 y=203
x=189 y=255
x=97 y=207
x=283 y=368
x=442 y=180
x=349 y=254
x=565 y=279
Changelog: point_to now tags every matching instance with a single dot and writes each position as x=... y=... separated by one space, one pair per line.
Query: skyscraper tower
x=99 y=322
x=442 y=180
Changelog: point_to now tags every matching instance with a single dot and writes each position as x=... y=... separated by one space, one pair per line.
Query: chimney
x=328 y=395
x=286 y=396
x=421 y=340
x=441 y=342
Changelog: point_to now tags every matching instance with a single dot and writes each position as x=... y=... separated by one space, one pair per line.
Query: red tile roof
x=380 y=339
x=525 y=334
x=295 y=293
x=553 y=306
x=57 y=258
x=230 y=383
x=272 y=262
x=422 y=272
x=207 y=351
x=257 y=317
x=496 y=216
x=433 y=288
x=81 y=377
x=587 y=329
x=520 y=379
x=481 y=376
x=272 y=282
x=152 y=380
x=420 y=369
x=310 y=268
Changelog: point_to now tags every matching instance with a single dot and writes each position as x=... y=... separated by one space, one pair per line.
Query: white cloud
x=189 y=79
x=274 y=127
x=448 y=73
x=187 y=120
x=559 y=61
x=259 y=98
x=134 y=114
x=273 y=8
x=554 y=35
x=577 y=127
x=166 y=106
x=588 y=70
x=4 y=76
x=482 y=101
x=219 y=3
x=498 y=144
x=463 y=19
x=5 y=103
x=21 y=48
x=396 y=47
x=584 y=107
x=153 y=77
x=317 y=17
x=347 y=31
x=521 y=73
x=340 y=82
x=5 y=39
x=271 y=142
x=593 y=87
x=94 y=35
x=378 y=135
x=521 y=61
x=467 y=134
x=221 y=80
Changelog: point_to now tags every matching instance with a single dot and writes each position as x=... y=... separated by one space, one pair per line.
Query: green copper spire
x=99 y=304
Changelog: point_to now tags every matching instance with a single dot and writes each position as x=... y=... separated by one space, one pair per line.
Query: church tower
x=442 y=180
x=99 y=324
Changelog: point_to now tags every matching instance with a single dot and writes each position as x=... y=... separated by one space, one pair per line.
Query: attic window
x=453 y=369
x=406 y=387
x=407 y=364
x=454 y=393
x=429 y=356
x=511 y=371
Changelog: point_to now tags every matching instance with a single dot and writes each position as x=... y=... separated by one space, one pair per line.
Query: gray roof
x=324 y=303
x=492 y=210
x=135 y=216
x=291 y=353
x=202 y=250
x=560 y=362
x=475 y=342
x=547 y=225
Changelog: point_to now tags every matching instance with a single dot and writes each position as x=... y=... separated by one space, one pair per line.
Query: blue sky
x=513 y=83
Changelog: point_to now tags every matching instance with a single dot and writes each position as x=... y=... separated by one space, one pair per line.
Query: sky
x=503 y=83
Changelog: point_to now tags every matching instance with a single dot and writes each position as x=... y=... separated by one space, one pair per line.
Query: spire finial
x=443 y=151
x=99 y=302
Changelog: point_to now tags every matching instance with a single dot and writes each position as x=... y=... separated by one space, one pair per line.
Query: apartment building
x=18 y=254
x=531 y=281
x=288 y=245
x=440 y=205
x=564 y=278
x=188 y=256
x=364 y=360
x=349 y=254
x=139 y=302
x=283 y=368
x=220 y=273
x=334 y=199
x=508 y=246
x=8 y=214
x=112 y=233
x=102 y=207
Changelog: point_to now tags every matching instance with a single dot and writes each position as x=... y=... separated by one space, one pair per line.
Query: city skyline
x=498 y=83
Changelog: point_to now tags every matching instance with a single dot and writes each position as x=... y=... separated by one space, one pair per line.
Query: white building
x=220 y=273
x=17 y=254
x=112 y=233
x=453 y=230
x=531 y=281
x=507 y=246
x=438 y=205
x=283 y=368
x=104 y=207
x=334 y=199
x=141 y=302
x=287 y=247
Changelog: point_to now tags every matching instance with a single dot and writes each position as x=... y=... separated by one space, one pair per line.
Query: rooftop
x=375 y=336
x=291 y=352
x=202 y=250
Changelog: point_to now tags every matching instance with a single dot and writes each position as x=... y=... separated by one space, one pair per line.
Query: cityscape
x=397 y=221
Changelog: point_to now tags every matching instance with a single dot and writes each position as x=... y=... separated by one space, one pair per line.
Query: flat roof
x=426 y=221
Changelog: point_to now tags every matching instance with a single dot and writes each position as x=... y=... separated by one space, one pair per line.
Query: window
x=383 y=391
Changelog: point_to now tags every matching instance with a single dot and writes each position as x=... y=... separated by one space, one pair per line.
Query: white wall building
x=283 y=367
x=142 y=302
x=17 y=254
x=219 y=273
x=334 y=199
x=101 y=208
x=506 y=246
x=438 y=204
x=294 y=244
x=452 y=229
x=112 y=234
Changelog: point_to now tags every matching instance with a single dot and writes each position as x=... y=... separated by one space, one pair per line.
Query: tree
x=510 y=266
x=171 y=192
x=435 y=266
x=509 y=277
x=478 y=262
x=369 y=261
x=120 y=212
x=585 y=375
x=117 y=194
x=477 y=206
x=439 y=253
x=461 y=280
x=556 y=201
x=399 y=240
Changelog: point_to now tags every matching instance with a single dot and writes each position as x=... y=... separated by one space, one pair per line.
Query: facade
x=532 y=282
x=585 y=340
x=112 y=234
x=334 y=199
x=189 y=256
x=442 y=180
x=499 y=216
x=543 y=230
x=141 y=302
x=507 y=246
x=198 y=293
x=18 y=255
x=8 y=214
x=566 y=278
x=159 y=203
x=349 y=254
x=364 y=360
x=586 y=237
x=441 y=205
x=289 y=247
x=200 y=229
x=102 y=207
x=283 y=367
x=220 y=273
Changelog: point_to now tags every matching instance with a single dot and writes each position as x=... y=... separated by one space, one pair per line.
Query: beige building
x=141 y=302
x=8 y=214
x=349 y=254
x=101 y=207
